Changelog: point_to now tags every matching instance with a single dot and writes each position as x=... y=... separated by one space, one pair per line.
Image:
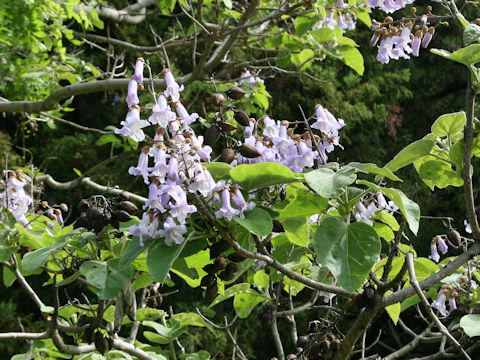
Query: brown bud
x=236 y=257
x=209 y=280
x=428 y=8
x=93 y=213
x=212 y=135
x=211 y=293
x=454 y=237
x=302 y=341
x=217 y=248
x=235 y=93
x=227 y=155
x=336 y=345
x=413 y=10
x=128 y=206
x=220 y=263
x=242 y=118
x=325 y=344
x=101 y=344
x=226 y=275
x=388 y=19
x=224 y=126
x=315 y=349
x=232 y=267
x=476 y=21
x=218 y=99
x=210 y=269
x=249 y=151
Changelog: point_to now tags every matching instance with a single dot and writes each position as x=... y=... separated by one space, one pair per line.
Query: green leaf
x=256 y=221
x=471 y=34
x=156 y=338
x=296 y=230
x=424 y=268
x=409 y=208
x=31 y=239
x=190 y=319
x=449 y=124
x=302 y=58
x=228 y=3
x=393 y=310
x=348 y=250
x=95 y=272
x=36 y=259
x=384 y=231
x=352 y=57
x=254 y=176
x=76 y=171
x=364 y=17
x=107 y=278
x=8 y=277
x=388 y=219
x=385 y=172
x=304 y=24
x=6 y=251
x=218 y=170
x=410 y=153
x=132 y=251
x=245 y=303
x=328 y=183
x=261 y=279
x=471 y=324
x=462 y=20
x=467 y=56
x=161 y=257
x=440 y=174
x=456 y=154
x=231 y=292
x=301 y=202
x=323 y=34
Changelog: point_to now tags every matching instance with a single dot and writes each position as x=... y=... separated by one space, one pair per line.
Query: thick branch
x=24 y=336
x=132 y=14
x=50 y=181
x=131 y=349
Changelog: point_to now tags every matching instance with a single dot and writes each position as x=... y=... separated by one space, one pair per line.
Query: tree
x=270 y=222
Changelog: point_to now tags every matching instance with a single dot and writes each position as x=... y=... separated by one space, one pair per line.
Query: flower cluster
x=439 y=243
x=364 y=214
x=248 y=78
x=14 y=197
x=440 y=302
x=337 y=20
x=279 y=143
x=389 y=6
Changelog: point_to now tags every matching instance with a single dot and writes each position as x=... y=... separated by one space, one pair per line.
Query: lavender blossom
x=173 y=89
x=132 y=126
x=442 y=246
x=435 y=256
x=226 y=211
x=162 y=114
x=439 y=303
x=138 y=73
x=132 y=97
x=172 y=232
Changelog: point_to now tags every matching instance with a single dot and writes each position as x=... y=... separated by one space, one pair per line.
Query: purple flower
x=249 y=78
x=162 y=114
x=132 y=126
x=439 y=304
x=363 y=214
x=434 y=252
x=442 y=246
x=468 y=227
x=138 y=73
x=385 y=49
x=147 y=229
x=142 y=166
x=226 y=211
x=172 y=232
x=203 y=181
x=184 y=115
x=452 y=304
x=417 y=41
x=173 y=90
x=132 y=97
x=428 y=37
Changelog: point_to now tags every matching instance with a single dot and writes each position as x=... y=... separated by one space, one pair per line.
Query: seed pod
x=227 y=155
x=210 y=269
x=360 y=300
x=122 y=197
x=454 y=237
x=121 y=216
x=249 y=151
x=291 y=357
x=336 y=345
x=377 y=298
x=220 y=263
x=236 y=257
x=208 y=280
x=231 y=267
x=369 y=293
x=83 y=205
x=212 y=135
x=331 y=337
x=226 y=275
x=218 y=99
x=235 y=93
x=325 y=344
x=94 y=213
x=210 y=293
x=128 y=206
x=82 y=221
x=217 y=248
x=302 y=341
x=106 y=218
x=315 y=349
x=101 y=344
x=242 y=118
x=224 y=126
x=277 y=226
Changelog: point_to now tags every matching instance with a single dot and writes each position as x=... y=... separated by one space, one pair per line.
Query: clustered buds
x=322 y=348
x=399 y=41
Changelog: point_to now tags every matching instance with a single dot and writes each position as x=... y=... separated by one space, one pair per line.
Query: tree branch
x=24 y=336
x=132 y=14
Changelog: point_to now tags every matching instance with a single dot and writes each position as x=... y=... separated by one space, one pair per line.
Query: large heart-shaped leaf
x=260 y=175
x=410 y=153
x=161 y=257
x=348 y=250
x=449 y=124
x=328 y=183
